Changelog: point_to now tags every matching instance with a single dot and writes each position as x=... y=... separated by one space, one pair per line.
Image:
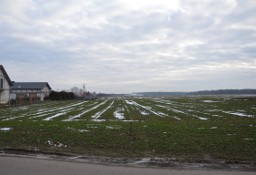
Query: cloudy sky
x=121 y=46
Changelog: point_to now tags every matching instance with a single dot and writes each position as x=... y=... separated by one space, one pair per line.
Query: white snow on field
x=12 y=118
x=201 y=118
x=144 y=112
x=38 y=116
x=98 y=120
x=119 y=115
x=177 y=111
x=210 y=101
x=238 y=114
x=84 y=112
x=58 y=144
x=248 y=139
x=61 y=109
x=113 y=127
x=77 y=104
x=171 y=109
x=143 y=160
x=54 y=116
x=98 y=114
x=148 y=108
x=5 y=129
x=83 y=130
x=128 y=102
x=163 y=101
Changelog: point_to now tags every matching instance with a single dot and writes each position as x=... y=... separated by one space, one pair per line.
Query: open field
x=185 y=128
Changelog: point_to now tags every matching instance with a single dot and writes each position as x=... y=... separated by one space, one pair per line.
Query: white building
x=32 y=91
x=5 y=83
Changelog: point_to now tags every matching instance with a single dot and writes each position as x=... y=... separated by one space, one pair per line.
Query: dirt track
x=31 y=166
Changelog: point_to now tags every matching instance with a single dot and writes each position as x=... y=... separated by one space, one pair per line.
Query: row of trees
x=63 y=95
x=75 y=93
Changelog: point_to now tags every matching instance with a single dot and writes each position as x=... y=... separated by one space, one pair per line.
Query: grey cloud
x=117 y=48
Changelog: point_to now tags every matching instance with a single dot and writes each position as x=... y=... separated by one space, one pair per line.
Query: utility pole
x=84 y=88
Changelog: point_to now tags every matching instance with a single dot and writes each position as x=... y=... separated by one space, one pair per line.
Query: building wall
x=44 y=93
x=41 y=94
x=4 y=93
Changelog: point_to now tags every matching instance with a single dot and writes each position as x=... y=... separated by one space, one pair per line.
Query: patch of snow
x=119 y=115
x=113 y=127
x=144 y=113
x=12 y=118
x=98 y=120
x=98 y=114
x=163 y=114
x=231 y=134
x=215 y=115
x=238 y=114
x=202 y=118
x=54 y=116
x=143 y=160
x=248 y=139
x=58 y=144
x=148 y=108
x=42 y=115
x=5 y=129
x=210 y=101
x=84 y=112
x=130 y=121
x=128 y=102
x=83 y=130
x=177 y=111
x=77 y=104
x=214 y=127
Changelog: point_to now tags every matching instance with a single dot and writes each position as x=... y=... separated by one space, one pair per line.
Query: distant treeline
x=206 y=92
x=159 y=94
x=61 y=95
x=225 y=92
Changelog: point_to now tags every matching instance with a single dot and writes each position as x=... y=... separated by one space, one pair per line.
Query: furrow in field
x=86 y=111
x=59 y=109
x=13 y=118
x=119 y=112
x=238 y=114
x=148 y=108
x=98 y=114
x=173 y=110
x=182 y=112
x=54 y=116
x=45 y=112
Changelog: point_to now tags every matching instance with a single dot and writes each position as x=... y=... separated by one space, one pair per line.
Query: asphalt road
x=32 y=166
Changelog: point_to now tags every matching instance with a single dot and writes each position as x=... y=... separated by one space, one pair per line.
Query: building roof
x=6 y=75
x=29 y=85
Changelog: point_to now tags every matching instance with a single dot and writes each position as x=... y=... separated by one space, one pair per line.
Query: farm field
x=184 y=128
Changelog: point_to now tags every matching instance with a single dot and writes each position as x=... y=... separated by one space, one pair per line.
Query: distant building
x=5 y=84
x=30 y=91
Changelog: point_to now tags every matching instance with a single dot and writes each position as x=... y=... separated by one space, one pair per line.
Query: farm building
x=5 y=84
x=32 y=91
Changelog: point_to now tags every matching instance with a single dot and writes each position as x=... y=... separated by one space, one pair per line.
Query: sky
x=120 y=46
